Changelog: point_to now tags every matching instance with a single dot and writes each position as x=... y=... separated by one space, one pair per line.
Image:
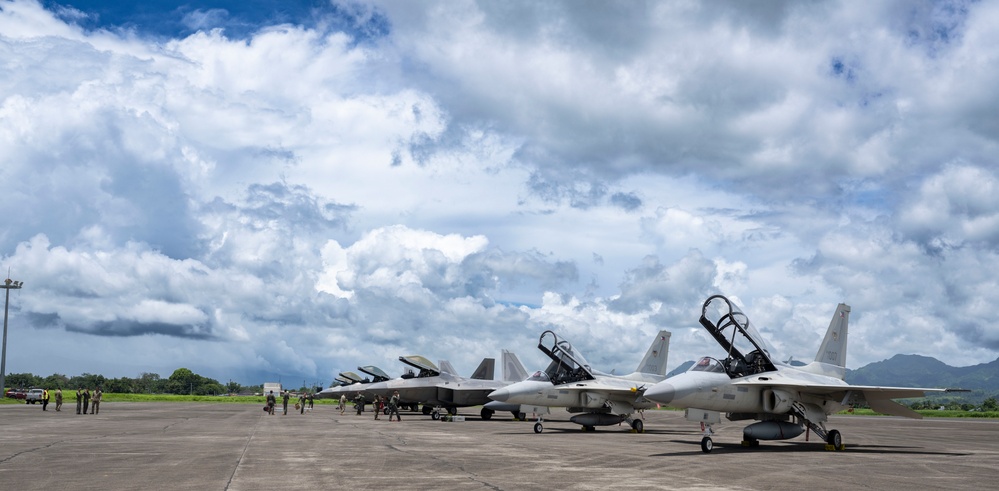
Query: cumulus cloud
x=299 y=192
x=956 y=206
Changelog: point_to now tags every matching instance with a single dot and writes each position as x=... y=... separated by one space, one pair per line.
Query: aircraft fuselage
x=761 y=393
x=587 y=395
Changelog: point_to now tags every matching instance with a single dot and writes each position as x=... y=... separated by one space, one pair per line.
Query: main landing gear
x=438 y=412
x=834 y=441
x=638 y=426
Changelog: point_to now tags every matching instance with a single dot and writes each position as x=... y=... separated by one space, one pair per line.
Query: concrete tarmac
x=204 y=446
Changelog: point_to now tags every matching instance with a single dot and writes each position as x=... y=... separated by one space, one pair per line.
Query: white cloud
x=464 y=175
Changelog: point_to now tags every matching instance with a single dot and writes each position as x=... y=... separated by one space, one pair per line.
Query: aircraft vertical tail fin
x=485 y=369
x=654 y=362
x=513 y=369
x=831 y=357
x=446 y=367
x=833 y=347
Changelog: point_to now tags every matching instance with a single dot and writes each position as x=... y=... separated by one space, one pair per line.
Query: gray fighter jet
x=601 y=399
x=351 y=384
x=441 y=389
x=749 y=383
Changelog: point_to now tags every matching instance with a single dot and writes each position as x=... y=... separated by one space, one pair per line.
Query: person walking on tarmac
x=79 y=399
x=343 y=404
x=284 y=401
x=393 y=406
x=58 y=398
x=86 y=400
x=45 y=399
x=301 y=403
x=359 y=403
x=271 y=402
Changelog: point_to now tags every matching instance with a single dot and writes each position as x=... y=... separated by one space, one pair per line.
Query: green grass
x=70 y=398
x=933 y=413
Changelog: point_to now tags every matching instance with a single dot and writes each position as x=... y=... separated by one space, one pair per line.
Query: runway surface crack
x=30 y=450
x=239 y=461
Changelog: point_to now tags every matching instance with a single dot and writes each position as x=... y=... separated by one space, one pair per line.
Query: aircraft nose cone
x=661 y=392
x=499 y=395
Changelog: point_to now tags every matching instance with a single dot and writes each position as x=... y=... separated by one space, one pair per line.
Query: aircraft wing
x=611 y=392
x=878 y=398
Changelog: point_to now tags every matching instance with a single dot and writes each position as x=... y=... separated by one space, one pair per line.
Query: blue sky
x=264 y=190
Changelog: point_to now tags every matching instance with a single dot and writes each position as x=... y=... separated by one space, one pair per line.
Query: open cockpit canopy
x=747 y=352
x=707 y=364
x=568 y=365
x=350 y=378
x=425 y=366
x=377 y=374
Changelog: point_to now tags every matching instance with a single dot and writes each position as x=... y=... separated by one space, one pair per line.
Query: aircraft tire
x=452 y=411
x=427 y=410
x=486 y=414
x=435 y=415
x=638 y=426
x=707 y=445
x=538 y=428
x=834 y=439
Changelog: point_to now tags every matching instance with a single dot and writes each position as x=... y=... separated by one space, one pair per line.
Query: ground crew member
x=271 y=402
x=86 y=400
x=95 y=403
x=394 y=406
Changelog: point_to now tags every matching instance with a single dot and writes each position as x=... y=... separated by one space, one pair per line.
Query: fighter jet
x=350 y=384
x=751 y=384
x=570 y=382
x=441 y=389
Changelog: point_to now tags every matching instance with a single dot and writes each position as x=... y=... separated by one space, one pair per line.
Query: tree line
x=181 y=381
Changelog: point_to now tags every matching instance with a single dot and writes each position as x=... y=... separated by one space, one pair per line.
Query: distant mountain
x=924 y=371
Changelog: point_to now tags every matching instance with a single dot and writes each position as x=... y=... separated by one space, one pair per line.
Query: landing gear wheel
x=486 y=414
x=452 y=411
x=427 y=410
x=538 y=428
x=435 y=415
x=521 y=416
x=834 y=439
x=589 y=428
x=385 y=411
x=707 y=445
x=638 y=426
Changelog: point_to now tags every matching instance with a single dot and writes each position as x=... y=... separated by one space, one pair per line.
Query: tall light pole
x=8 y=285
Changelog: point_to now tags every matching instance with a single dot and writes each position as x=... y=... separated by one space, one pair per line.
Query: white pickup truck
x=34 y=395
